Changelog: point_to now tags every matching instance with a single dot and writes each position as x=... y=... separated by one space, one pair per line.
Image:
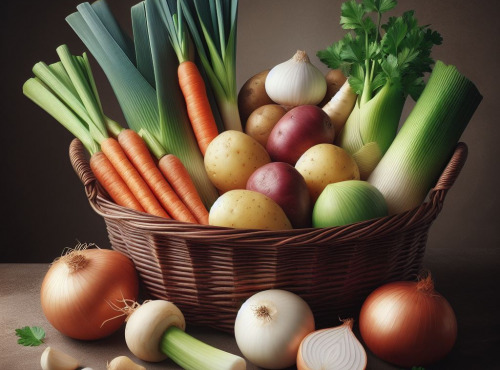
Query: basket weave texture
x=208 y=271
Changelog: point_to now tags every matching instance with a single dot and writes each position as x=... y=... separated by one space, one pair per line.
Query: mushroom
x=155 y=331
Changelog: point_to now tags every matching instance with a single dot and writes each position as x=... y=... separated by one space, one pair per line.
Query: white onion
x=296 y=82
x=270 y=326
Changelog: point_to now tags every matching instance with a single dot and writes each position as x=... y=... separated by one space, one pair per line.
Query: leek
x=425 y=143
x=213 y=26
x=384 y=68
x=66 y=90
x=142 y=74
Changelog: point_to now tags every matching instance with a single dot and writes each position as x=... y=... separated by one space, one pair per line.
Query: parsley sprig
x=373 y=54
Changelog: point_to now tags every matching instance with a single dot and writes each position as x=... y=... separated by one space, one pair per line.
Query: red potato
x=282 y=183
x=299 y=129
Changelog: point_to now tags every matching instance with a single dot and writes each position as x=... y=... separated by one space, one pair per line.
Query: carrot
x=178 y=176
x=340 y=107
x=112 y=182
x=137 y=152
x=114 y=152
x=197 y=104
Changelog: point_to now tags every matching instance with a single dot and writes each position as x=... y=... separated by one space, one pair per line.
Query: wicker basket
x=209 y=271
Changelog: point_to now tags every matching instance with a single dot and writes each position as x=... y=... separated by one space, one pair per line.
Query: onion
x=346 y=202
x=408 y=323
x=296 y=82
x=81 y=288
x=270 y=326
x=332 y=348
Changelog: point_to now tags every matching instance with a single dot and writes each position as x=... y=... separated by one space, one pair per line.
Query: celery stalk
x=425 y=142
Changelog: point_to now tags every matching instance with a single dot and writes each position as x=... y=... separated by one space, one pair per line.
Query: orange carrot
x=112 y=149
x=112 y=182
x=197 y=104
x=180 y=180
x=138 y=154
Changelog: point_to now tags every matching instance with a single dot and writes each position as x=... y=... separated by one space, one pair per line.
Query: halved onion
x=333 y=348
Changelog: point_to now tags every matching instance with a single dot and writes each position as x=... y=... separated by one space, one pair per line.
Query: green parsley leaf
x=398 y=51
x=30 y=336
x=379 y=6
x=395 y=35
x=352 y=15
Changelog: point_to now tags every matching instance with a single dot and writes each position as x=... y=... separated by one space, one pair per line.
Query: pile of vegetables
x=294 y=148
x=265 y=157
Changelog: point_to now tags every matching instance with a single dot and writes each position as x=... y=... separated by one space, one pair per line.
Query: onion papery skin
x=77 y=303
x=408 y=325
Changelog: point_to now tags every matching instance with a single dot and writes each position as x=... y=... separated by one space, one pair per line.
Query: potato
x=247 y=209
x=231 y=158
x=282 y=183
x=253 y=95
x=298 y=130
x=262 y=120
x=325 y=164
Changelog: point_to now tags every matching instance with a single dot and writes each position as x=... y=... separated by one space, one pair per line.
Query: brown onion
x=80 y=289
x=408 y=323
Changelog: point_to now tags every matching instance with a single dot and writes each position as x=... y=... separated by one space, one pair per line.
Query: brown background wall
x=45 y=205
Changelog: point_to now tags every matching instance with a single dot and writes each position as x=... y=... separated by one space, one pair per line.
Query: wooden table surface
x=470 y=290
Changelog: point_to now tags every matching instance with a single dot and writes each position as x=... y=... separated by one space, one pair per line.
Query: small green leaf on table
x=30 y=336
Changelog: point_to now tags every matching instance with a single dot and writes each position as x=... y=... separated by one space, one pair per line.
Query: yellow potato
x=262 y=120
x=231 y=158
x=247 y=209
x=325 y=164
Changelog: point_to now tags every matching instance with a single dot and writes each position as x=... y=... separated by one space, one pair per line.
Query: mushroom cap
x=146 y=326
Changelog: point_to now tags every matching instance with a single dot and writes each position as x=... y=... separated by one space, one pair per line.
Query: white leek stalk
x=425 y=143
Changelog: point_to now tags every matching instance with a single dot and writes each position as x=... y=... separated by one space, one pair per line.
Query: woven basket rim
x=421 y=215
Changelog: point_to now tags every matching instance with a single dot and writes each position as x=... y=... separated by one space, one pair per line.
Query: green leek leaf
x=41 y=95
x=151 y=101
x=215 y=41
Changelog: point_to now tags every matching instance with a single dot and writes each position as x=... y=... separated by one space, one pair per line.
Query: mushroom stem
x=155 y=331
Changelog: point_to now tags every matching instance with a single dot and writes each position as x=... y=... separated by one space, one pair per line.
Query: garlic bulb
x=296 y=82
